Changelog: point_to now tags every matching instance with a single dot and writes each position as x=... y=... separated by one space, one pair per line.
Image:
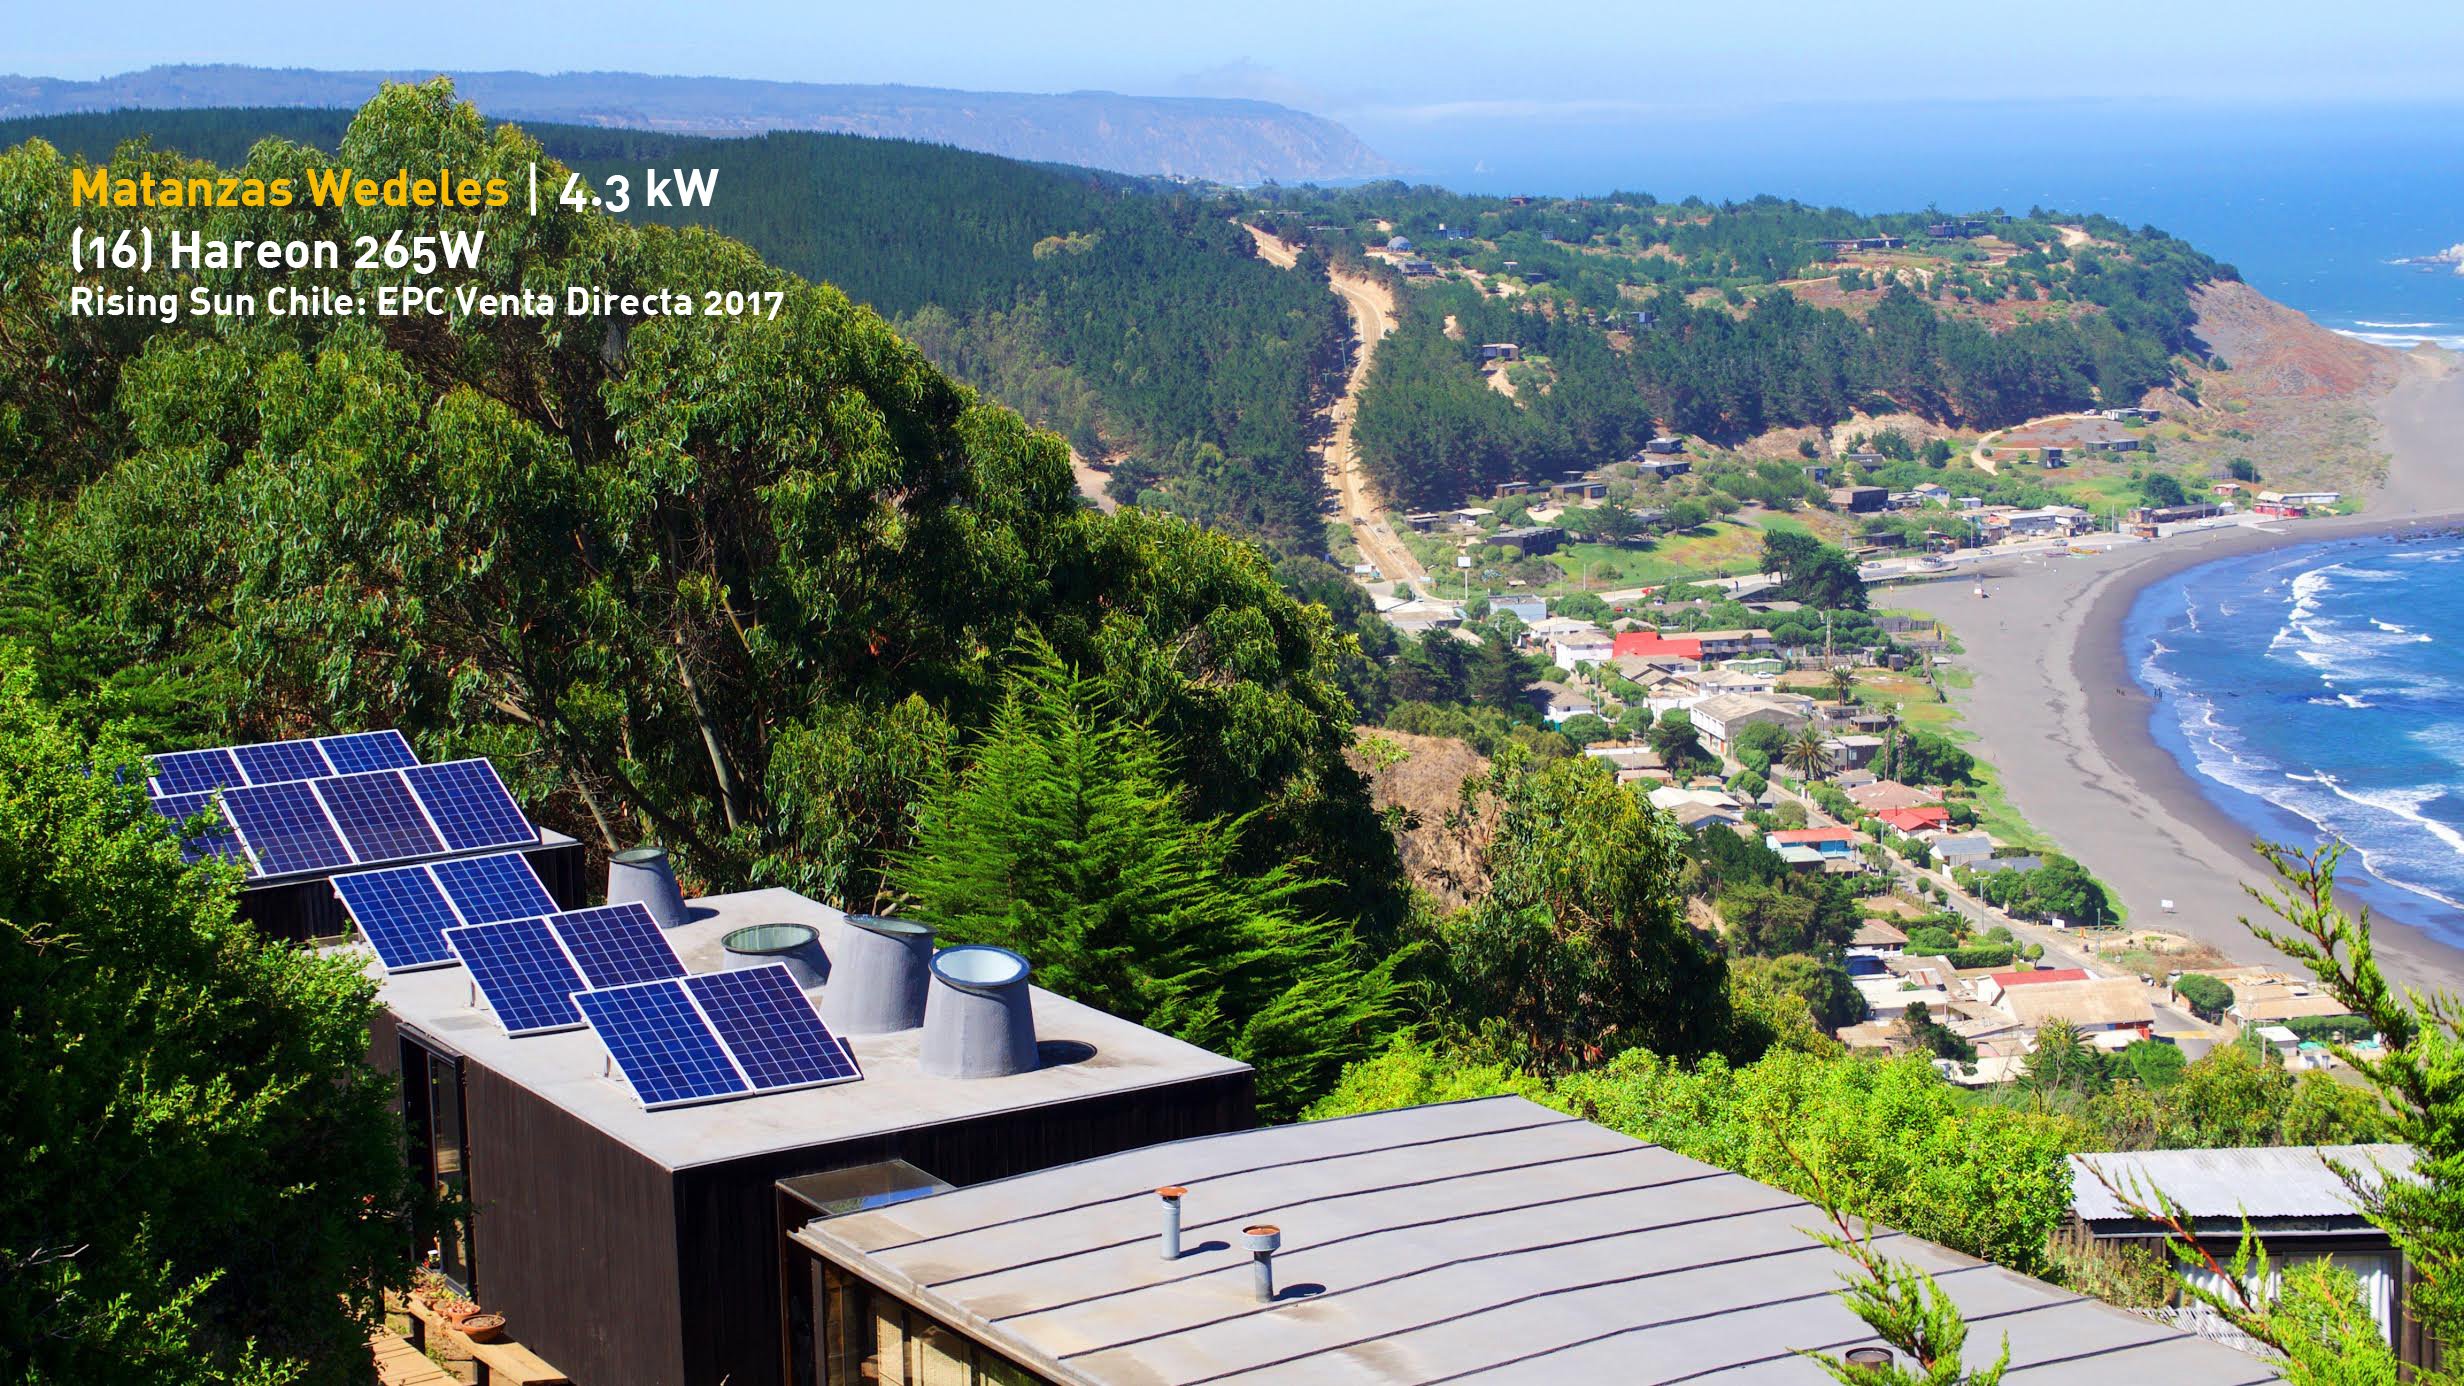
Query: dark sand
x=2055 y=708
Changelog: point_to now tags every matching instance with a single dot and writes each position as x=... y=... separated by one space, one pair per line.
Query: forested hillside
x=1725 y=321
x=1132 y=317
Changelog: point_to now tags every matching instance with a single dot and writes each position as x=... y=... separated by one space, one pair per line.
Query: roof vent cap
x=877 y=981
x=796 y=945
x=979 y=1020
x=642 y=874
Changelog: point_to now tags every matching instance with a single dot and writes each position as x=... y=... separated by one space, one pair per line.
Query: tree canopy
x=204 y=1181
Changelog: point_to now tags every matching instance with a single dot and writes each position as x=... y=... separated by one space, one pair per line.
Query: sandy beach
x=2055 y=708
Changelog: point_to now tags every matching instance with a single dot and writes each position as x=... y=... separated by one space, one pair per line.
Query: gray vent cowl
x=878 y=979
x=642 y=874
x=980 y=1020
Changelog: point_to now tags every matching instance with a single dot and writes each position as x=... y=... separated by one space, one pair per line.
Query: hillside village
x=1783 y=745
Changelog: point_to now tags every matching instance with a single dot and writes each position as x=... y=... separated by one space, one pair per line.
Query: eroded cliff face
x=2294 y=398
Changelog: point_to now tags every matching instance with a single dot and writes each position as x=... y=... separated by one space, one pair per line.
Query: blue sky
x=1379 y=66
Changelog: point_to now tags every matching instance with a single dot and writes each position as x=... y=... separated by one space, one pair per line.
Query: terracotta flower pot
x=455 y=1315
x=483 y=1328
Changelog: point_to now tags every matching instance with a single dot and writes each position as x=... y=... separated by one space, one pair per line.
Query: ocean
x=2318 y=691
x=2312 y=206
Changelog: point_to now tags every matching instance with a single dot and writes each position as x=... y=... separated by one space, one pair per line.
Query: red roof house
x=1914 y=820
x=1647 y=644
x=2007 y=980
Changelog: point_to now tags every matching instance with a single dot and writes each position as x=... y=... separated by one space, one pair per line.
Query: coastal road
x=1372 y=307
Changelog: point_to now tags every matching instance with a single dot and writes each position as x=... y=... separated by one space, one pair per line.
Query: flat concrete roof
x=1493 y=1239
x=570 y=1067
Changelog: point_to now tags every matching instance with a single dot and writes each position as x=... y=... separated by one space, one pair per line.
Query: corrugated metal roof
x=1493 y=1240
x=2263 y=1182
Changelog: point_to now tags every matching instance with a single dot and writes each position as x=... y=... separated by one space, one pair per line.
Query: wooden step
x=400 y=1364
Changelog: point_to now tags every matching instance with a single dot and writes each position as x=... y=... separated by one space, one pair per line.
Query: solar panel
x=469 y=805
x=376 y=750
x=486 y=889
x=378 y=816
x=195 y=772
x=660 y=1040
x=403 y=914
x=523 y=972
x=769 y=1025
x=285 y=827
x=273 y=762
x=217 y=841
x=617 y=944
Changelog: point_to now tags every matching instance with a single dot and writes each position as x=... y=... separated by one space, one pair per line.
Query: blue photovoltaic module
x=218 y=841
x=403 y=914
x=662 y=1043
x=486 y=889
x=378 y=816
x=195 y=772
x=768 y=1023
x=523 y=972
x=285 y=828
x=272 y=762
x=470 y=806
x=720 y=1034
x=376 y=750
x=617 y=944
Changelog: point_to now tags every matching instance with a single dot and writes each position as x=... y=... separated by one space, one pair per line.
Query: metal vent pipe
x=643 y=874
x=1172 y=1194
x=1263 y=1240
x=979 y=1018
x=878 y=980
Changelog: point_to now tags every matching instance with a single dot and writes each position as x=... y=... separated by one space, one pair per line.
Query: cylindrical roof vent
x=642 y=874
x=877 y=980
x=796 y=945
x=980 y=1020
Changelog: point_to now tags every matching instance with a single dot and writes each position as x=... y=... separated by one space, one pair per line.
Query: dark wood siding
x=574 y=1238
x=727 y=1227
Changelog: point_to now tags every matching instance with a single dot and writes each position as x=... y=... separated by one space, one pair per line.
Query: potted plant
x=482 y=1327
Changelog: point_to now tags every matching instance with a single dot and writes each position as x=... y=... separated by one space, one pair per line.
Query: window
x=440 y=1152
x=869 y=1338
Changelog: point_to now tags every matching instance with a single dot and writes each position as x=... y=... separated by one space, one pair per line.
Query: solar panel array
x=529 y=969
x=298 y=807
x=683 y=1040
x=405 y=910
x=273 y=762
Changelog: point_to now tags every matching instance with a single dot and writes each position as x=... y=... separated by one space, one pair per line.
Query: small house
x=1860 y=500
x=2291 y=1196
x=1500 y=351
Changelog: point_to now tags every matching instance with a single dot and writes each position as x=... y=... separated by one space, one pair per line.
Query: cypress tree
x=1068 y=840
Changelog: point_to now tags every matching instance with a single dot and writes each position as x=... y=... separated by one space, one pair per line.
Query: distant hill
x=1225 y=141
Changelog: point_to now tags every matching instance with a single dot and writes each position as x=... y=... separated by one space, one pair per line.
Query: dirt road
x=1372 y=307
